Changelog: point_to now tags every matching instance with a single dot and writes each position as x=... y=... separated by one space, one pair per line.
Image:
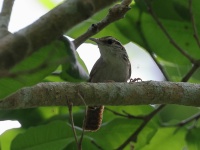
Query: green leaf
x=55 y=135
x=192 y=138
x=37 y=116
x=34 y=68
x=86 y=144
x=7 y=137
x=146 y=135
x=174 y=113
x=132 y=110
x=43 y=62
x=167 y=139
x=32 y=117
x=114 y=132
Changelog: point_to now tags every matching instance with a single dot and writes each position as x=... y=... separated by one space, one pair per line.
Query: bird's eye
x=109 y=41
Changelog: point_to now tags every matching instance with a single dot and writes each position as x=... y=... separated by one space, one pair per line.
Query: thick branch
x=140 y=93
x=14 y=47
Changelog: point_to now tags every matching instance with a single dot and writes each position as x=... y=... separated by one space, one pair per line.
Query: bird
x=112 y=65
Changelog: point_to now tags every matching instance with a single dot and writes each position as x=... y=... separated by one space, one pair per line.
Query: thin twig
x=99 y=147
x=190 y=73
x=190 y=119
x=151 y=53
x=158 y=64
x=84 y=121
x=149 y=8
x=196 y=36
x=134 y=136
x=127 y=115
x=70 y=104
x=184 y=122
x=115 y=13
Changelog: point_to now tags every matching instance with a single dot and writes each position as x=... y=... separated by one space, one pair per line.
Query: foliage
x=49 y=128
x=43 y=62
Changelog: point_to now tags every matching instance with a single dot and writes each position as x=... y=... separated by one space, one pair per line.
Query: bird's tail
x=94 y=118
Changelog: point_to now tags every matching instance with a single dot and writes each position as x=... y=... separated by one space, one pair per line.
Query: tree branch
x=134 y=136
x=70 y=106
x=196 y=36
x=190 y=73
x=140 y=93
x=182 y=51
x=5 y=17
x=184 y=122
x=115 y=13
x=56 y=22
x=124 y=114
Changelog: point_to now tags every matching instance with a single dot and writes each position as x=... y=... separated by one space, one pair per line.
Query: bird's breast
x=115 y=72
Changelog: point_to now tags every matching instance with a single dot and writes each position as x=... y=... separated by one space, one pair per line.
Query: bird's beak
x=95 y=40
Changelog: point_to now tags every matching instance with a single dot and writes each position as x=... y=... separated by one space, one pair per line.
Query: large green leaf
x=7 y=137
x=55 y=135
x=114 y=132
x=86 y=144
x=167 y=139
x=34 y=68
x=34 y=116
x=192 y=138
x=173 y=114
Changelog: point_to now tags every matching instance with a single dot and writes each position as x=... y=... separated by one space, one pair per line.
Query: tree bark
x=138 y=93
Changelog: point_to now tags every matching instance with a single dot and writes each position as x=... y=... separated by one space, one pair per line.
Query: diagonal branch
x=195 y=117
x=56 y=22
x=134 y=136
x=125 y=114
x=182 y=51
x=151 y=53
x=190 y=73
x=5 y=17
x=196 y=36
x=115 y=13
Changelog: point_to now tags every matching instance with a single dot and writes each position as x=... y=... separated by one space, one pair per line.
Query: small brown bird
x=113 y=65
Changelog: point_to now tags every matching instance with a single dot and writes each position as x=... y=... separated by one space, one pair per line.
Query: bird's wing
x=99 y=64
